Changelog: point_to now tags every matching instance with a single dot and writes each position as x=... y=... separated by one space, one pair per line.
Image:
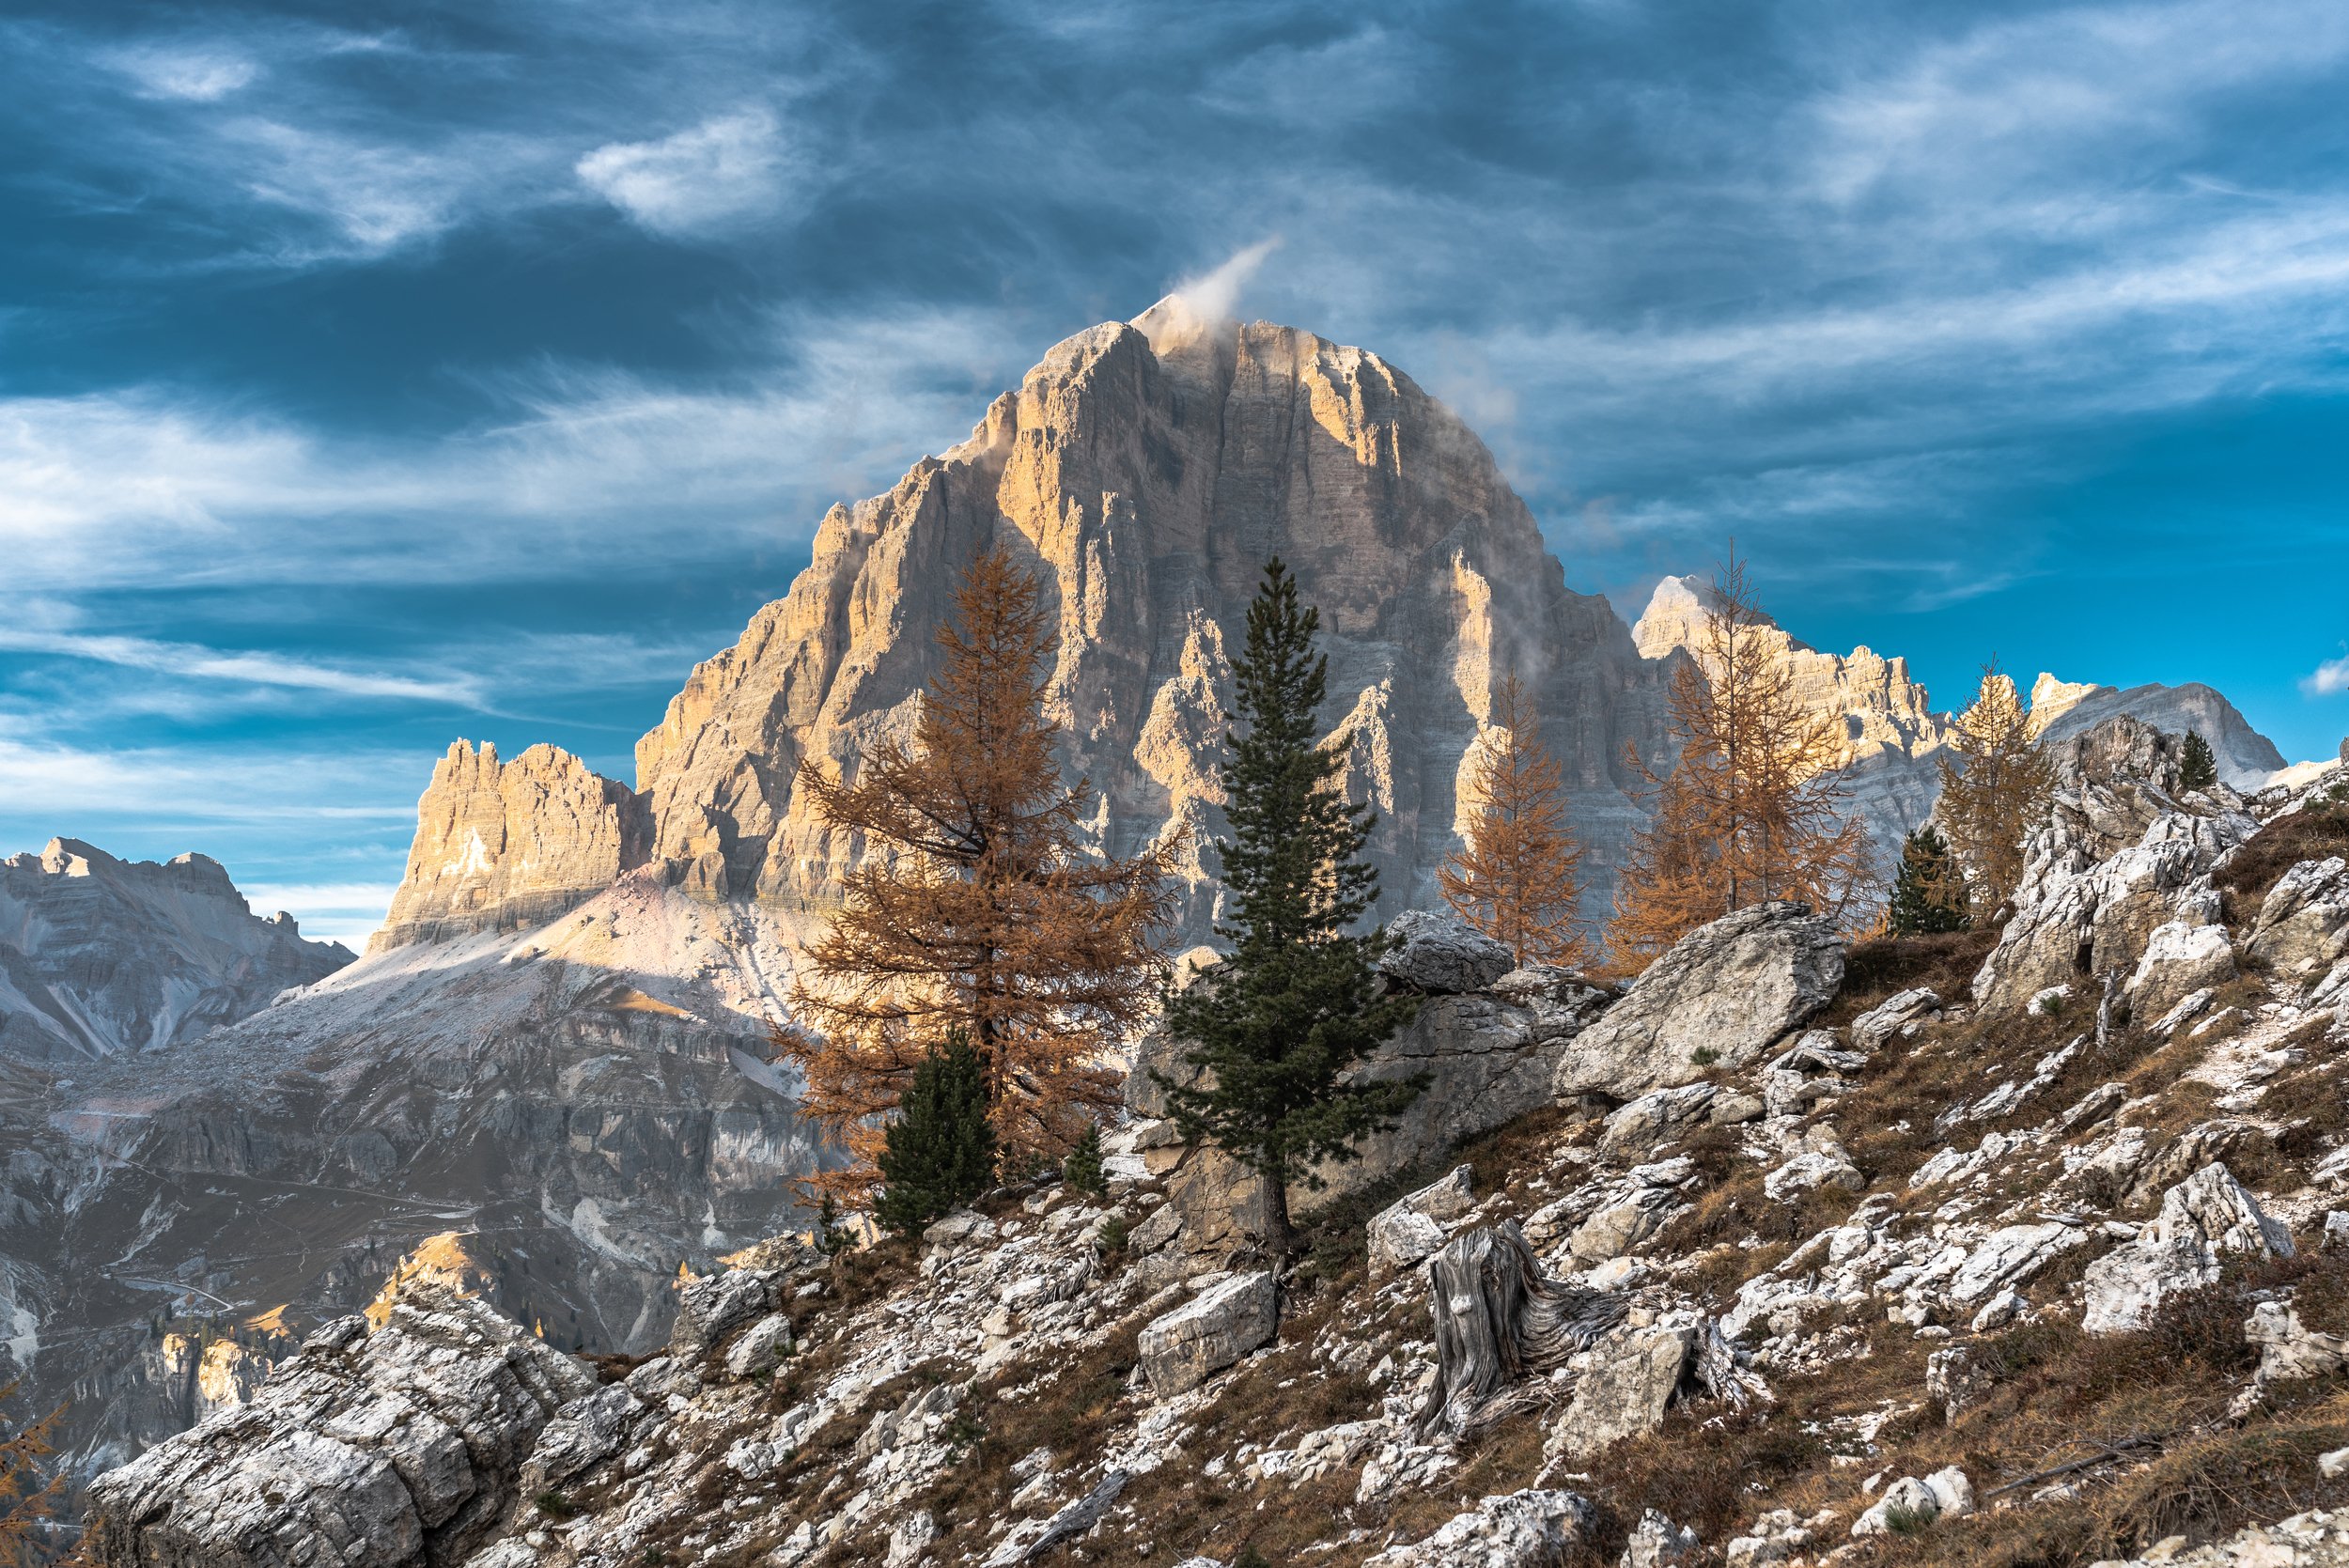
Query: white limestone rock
x=1723 y=994
x=1658 y=1543
x=2303 y=926
x=2205 y=1215
x=1908 y=1501
x=389 y=1450
x=2008 y=1257
x=1622 y=1387
x=1533 y=1529
x=1632 y=1131
x=2179 y=960
x=1872 y=1028
x=1194 y=1342
x=1410 y=1228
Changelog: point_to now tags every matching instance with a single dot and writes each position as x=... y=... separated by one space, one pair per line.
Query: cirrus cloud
x=712 y=177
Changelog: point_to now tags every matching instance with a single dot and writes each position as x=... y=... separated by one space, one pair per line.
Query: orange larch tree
x=1996 y=792
x=1751 y=811
x=26 y=1504
x=976 y=906
x=1514 y=877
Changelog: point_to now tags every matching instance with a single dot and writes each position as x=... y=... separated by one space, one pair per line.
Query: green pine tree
x=1273 y=1027
x=1928 y=891
x=939 y=1152
x=2199 y=769
x=1082 y=1169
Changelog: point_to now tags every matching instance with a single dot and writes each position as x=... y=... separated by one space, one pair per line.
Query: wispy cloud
x=2329 y=679
x=1213 y=295
x=190 y=661
x=200 y=73
x=65 y=784
x=153 y=486
x=715 y=176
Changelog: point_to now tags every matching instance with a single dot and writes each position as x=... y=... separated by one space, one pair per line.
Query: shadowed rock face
x=2064 y=709
x=101 y=957
x=573 y=1111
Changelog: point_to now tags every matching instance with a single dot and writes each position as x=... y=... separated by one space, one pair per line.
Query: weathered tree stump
x=1499 y=1324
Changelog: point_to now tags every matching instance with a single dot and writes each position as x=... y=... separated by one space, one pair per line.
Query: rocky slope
x=1806 y=1255
x=101 y=957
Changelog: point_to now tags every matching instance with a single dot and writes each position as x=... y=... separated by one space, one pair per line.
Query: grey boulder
x=1438 y=952
x=710 y=1310
x=2303 y=926
x=1215 y=1328
x=1723 y=994
x=1623 y=1384
x=2203 y=1216
x=1533 y=1529
x=1411 y=1227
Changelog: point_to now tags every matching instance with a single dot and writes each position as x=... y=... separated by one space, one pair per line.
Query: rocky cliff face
x=1145 y=472
x=2247 y=759
x=1887 y=734
x=507 y=846
x=101 y=957
x=557 y=1119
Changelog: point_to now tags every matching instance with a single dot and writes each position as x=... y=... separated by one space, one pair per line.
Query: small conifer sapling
x=2198 y=768
x=1082 y=1171
x=939 y=1150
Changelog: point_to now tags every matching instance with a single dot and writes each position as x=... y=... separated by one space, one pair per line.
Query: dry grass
x=1875 y=971
x=2312 y=834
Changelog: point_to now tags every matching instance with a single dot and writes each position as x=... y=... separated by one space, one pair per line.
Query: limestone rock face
x=1729 y=990
x=1145 y=472
x=1489 y=1057
x=1530 y=1528
x=2208 y=1214
x=1888 y=733
x=396 y=1448
x=101 y=957
x=1487 y=1062
x=506 y=846
x=1622 y=1387
x=2179 y=960
x=2061 y=710
x=1411 y=1227
x=2304 y=922
x=2117 y=861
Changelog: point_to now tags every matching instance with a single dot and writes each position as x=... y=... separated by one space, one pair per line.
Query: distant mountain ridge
x=101 y=957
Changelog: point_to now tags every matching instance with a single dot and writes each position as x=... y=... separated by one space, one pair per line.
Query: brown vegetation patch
x=2312 y=834
x=1876 y=969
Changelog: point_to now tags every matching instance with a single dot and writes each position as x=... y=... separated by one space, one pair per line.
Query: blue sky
x=373 y=376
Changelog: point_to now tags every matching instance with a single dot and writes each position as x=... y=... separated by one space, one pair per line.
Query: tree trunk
x=1279 y=1239
x=1500 y=1323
